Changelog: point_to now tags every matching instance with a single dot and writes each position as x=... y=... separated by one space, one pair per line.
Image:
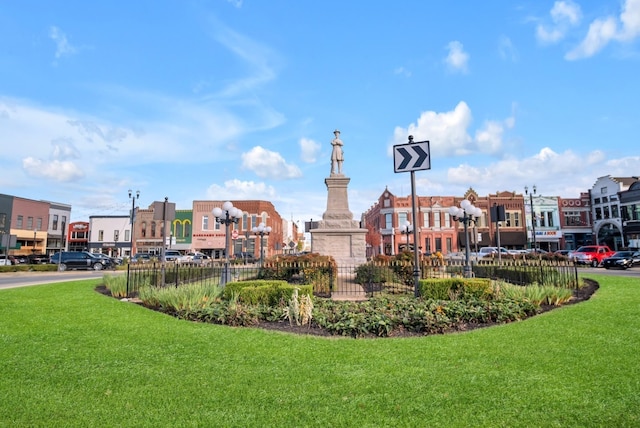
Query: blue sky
x=238 y=99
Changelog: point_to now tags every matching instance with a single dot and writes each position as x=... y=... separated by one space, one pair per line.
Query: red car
x=592 y=255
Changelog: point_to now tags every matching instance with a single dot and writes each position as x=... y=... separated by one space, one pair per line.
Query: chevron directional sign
x=411 y=157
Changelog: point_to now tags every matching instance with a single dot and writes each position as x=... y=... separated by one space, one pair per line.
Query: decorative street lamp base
x=468 y=271
x=226 y=274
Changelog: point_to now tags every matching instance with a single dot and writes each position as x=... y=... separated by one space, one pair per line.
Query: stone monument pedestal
x=337 y=234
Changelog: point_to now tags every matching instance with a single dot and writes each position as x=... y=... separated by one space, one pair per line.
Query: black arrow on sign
x=422 y=155
x=406 y=157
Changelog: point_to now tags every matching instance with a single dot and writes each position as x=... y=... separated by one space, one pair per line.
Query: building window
x=19 y=222
x=143 y=229
x=29 y=223
x=598 y=213
x=254 y=221
x=3 y=221
x=605 y=212
x=439 y=244
x=402 y=218
x=449 y=245
x=187 y=230
x=571 y=218
x=205 y=222
x=127 y=235
x=427 y=245
x=116 y=235
x=386 y=203
x=436 y=222
x=425 y=220
x=596 y=201
x=603 y=190
x=245 y=219
x=388 y=221
x=447 y=220
x=614 y=211
x=100 y=235
x=54 y=225
x=39 y=223
x=153 y=229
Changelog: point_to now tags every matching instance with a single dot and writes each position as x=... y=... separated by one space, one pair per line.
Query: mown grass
x=72 y=357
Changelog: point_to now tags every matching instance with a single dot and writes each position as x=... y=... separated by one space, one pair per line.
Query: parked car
x=106 y=260
x=591 y=255
x=7 y=260
x=141 y=258
x=564 y=253
x=80 y=260
x=21 y=259
x=622 y=260
x=171 y=255
x=37 y=259
x=245 y=256
x=492 y=252
x=192 y=257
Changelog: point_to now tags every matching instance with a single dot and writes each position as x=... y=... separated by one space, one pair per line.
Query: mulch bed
x=579 y=295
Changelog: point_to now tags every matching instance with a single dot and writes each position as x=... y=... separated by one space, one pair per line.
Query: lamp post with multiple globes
x=261 y=230
x=467 y=213
x=226 y=215
x=405 y=229
x=533 y=217
x=133 y=197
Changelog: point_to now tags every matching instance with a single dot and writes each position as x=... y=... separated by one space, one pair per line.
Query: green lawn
x=72 y=357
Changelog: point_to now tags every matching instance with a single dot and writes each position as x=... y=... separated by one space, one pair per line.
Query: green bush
x=263 y=292
x=455 y=288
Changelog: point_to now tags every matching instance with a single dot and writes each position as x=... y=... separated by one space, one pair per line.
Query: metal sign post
x=412 y=157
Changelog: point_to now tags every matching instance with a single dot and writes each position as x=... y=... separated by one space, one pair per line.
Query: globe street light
x=226 y=215
x=466 y=214
x=533 y=216
x=261 y=230
x=406 y=229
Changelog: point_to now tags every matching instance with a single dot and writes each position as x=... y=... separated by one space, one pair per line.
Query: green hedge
x=451 y=288
x=29 y=268
x=264 y=292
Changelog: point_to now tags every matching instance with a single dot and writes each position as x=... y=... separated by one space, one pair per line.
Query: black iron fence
x=354 y=282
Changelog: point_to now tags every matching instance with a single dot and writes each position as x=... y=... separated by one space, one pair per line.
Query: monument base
x=347 y=245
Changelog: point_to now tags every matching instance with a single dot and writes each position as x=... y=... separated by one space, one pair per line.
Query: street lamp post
x=133 y=197
x=466 y=214
x=226 y=215
x=533 y=217
x=406 y=229
x=261 y=230
x=33 y=250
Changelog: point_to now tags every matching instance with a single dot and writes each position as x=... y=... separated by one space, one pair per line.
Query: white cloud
x=63 y=47
x=238 y=189
x=309 y=150
x=457 y=59
x=601 y=32
x=564 y=15
x=563 y=172
x=267 y=164
x=55 y=170
x=506 y=49
x=448 y=133
x=630 y=18
x=605 y=30
x=401 y=71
